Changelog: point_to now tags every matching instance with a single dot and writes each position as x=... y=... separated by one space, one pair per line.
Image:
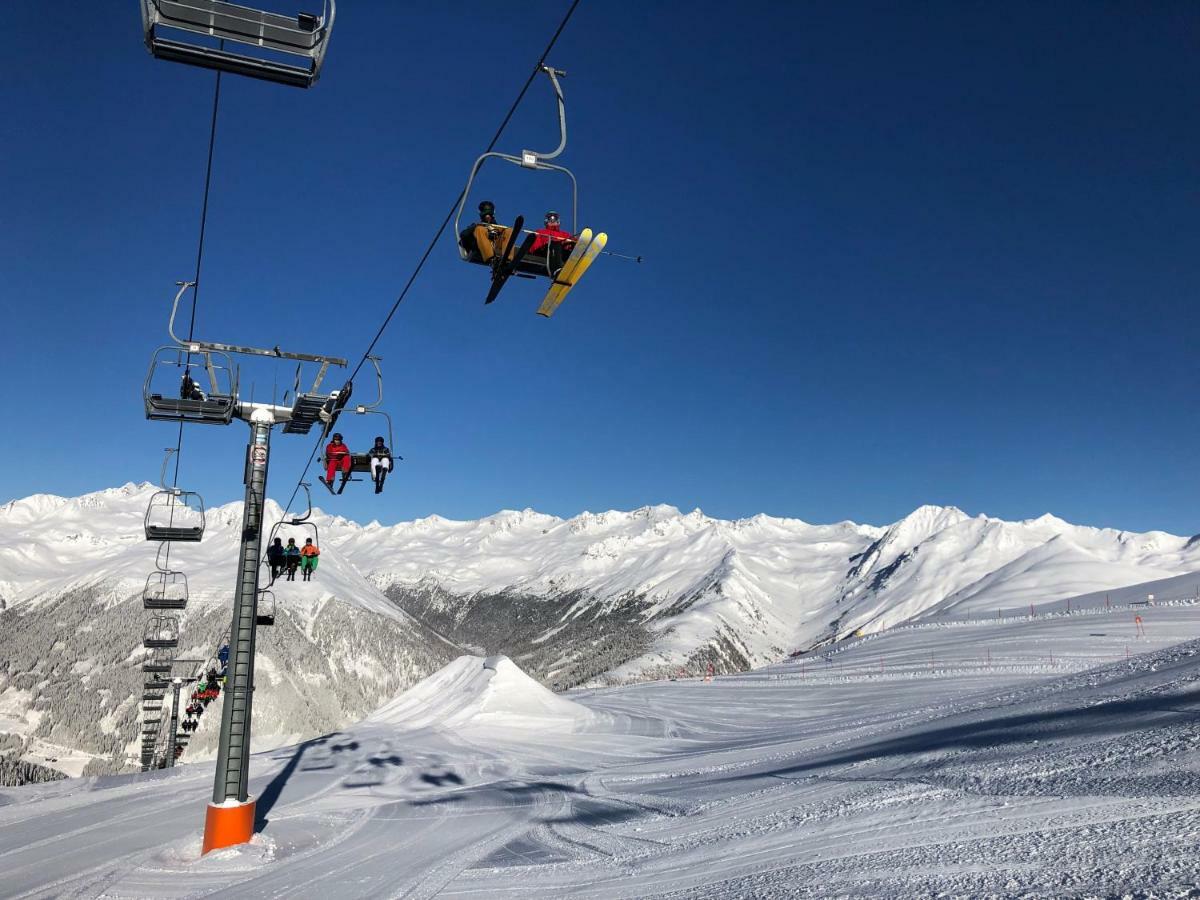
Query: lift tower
x=230 y=817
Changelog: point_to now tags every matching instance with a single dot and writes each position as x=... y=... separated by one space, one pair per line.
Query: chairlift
x=266 y=608
x=157 y=665
x=161 y=633
x=165 y=590
x=203 y=382
x=174 y=514
x=360 y=463
x=156 y=685
x=531 y=266
x=288 y=50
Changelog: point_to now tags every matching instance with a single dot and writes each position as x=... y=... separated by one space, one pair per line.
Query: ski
x=571 y=274
x=501 y=268
x=561 y=278
x=500 y=277
x=321 y=478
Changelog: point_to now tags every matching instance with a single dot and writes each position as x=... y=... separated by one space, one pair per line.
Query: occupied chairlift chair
x=531 y=266
x=301 y=522
x=204 y=366
x=360 y=463
x=287 y=50
x=213 y=361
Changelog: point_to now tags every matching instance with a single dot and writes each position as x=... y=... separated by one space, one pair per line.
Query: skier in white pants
x=381 y=463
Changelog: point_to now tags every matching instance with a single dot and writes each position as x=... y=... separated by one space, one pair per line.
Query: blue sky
x=894 y=255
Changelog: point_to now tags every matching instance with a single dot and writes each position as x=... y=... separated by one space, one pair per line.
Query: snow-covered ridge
x=768 y=584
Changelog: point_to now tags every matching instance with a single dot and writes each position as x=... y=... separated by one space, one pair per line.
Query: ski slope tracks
x=1044 y=756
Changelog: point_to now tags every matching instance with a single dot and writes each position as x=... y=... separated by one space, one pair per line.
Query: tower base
x=228 y=824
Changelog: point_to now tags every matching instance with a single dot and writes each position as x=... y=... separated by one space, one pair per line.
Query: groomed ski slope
x=1027 y=757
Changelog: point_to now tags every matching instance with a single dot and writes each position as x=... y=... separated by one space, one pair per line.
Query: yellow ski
x=573 y=271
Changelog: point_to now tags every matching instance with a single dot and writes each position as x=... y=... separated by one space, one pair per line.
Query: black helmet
x=487 y=208
x=552 y=214
x=379 y=439
x=337 y=436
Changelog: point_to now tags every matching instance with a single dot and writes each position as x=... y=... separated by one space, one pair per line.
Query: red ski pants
x=335 y=463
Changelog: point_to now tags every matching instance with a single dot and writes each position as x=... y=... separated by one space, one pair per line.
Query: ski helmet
x=487 y=208
x=551 y=214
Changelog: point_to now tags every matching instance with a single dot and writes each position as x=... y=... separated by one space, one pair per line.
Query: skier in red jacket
x=337 y=456
x=554 y=242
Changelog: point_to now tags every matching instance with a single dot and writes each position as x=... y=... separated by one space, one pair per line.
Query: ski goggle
x=553 y=217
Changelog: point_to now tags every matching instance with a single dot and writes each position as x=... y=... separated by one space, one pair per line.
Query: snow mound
x=476 y=692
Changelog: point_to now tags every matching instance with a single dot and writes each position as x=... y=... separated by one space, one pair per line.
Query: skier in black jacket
x=381 y=463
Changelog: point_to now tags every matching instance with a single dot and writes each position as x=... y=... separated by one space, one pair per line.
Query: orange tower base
x=228 y=826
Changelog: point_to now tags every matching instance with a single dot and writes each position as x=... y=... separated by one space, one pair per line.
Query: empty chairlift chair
x=161 y=632
x=157 y=665
x=175 y=515
x=266 y=608
x=284 y=49
x=165 y=590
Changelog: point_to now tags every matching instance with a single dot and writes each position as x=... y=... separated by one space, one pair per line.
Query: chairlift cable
x=437 y=236
x=212 y=140
x=458 y=199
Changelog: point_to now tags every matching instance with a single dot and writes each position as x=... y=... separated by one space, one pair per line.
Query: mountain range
x=596 y=598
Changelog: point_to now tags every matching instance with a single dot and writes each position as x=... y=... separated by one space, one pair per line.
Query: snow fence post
x=230 y=818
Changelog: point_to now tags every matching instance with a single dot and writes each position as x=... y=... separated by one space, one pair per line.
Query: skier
x=558 y=244
x=381 y=463
x=337 y=456
x=275 y=559
x=188 y=389
x=308 y=558
x=486 y=237
x=291 y=555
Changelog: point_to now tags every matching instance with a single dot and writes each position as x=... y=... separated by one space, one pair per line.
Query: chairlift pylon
x=298 y=42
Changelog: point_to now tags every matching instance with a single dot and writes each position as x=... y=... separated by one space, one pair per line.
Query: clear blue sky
x=895 y=254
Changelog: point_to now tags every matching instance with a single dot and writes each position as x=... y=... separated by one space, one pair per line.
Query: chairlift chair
x=161 y=633
x=531 y=160
x=157 y=666
x=266 y=608
x=360 y=463
x=211 y=399
x=287 y=50
x=175 y=515
x=165 y=590
x=156 y=684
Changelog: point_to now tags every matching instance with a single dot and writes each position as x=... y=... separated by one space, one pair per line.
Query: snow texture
x=1047 y=756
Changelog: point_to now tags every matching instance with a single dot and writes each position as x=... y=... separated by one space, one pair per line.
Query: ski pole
x=636 y=259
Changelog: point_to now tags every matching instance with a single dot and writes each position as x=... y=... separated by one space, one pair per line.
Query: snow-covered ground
x=1042 y=756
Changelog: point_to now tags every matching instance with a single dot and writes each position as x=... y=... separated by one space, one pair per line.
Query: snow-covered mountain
x=600 y=596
